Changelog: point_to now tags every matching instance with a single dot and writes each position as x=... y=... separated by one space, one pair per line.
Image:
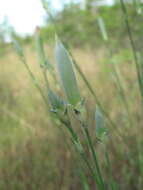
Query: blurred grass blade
x=42 y=59
x=84 y=181
x=40 y=48
x=140 y=58
x=20 y=52
x=102 y=28
x=56 y=102
x=18 y=48
x=100 y=124
x=66 y=73
x=133 y=45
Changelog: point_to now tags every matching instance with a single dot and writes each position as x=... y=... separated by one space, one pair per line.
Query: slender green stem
x=35 y=81
x=122 y=95
x=132 y=46
x=91 y=169
x=110 y=54
x=82 y=153
x=109 y=168
x=45 y=78
x=94 y=156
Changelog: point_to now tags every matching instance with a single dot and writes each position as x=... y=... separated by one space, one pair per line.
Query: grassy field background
x=35 y=154
x=46 y=147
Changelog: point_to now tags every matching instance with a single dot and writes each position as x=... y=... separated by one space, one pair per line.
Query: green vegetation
x=72 y=119
x=79 y=27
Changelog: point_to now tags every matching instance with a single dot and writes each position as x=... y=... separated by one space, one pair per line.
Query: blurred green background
x=34 y=154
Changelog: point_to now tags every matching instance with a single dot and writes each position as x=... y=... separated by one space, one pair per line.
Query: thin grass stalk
x=122 y=95
x=84 y=181
x=80 y=149
x=46 y=78
x=90 y=143
x=118 y=82
x=35 y=81
x=80 y=124
x=83 y=155
x=21 y=55
x=129 y=30
x=109 y=168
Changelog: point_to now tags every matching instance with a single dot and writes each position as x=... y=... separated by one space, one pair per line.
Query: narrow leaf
x=100 y=124
x=40 y=48
x=66 y=73
x=102 y=28
x=56 y=102
x=42 y=58
x=84 y=181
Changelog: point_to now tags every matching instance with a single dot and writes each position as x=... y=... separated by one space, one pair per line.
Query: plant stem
x=126 y=19
x=35 y=81
x=94 y=156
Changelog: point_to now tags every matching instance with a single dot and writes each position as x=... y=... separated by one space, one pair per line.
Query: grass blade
x=67 y=75
x=102 y=28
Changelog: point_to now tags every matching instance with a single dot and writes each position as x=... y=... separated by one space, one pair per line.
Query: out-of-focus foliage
x=36 y=151
x=79 y=27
